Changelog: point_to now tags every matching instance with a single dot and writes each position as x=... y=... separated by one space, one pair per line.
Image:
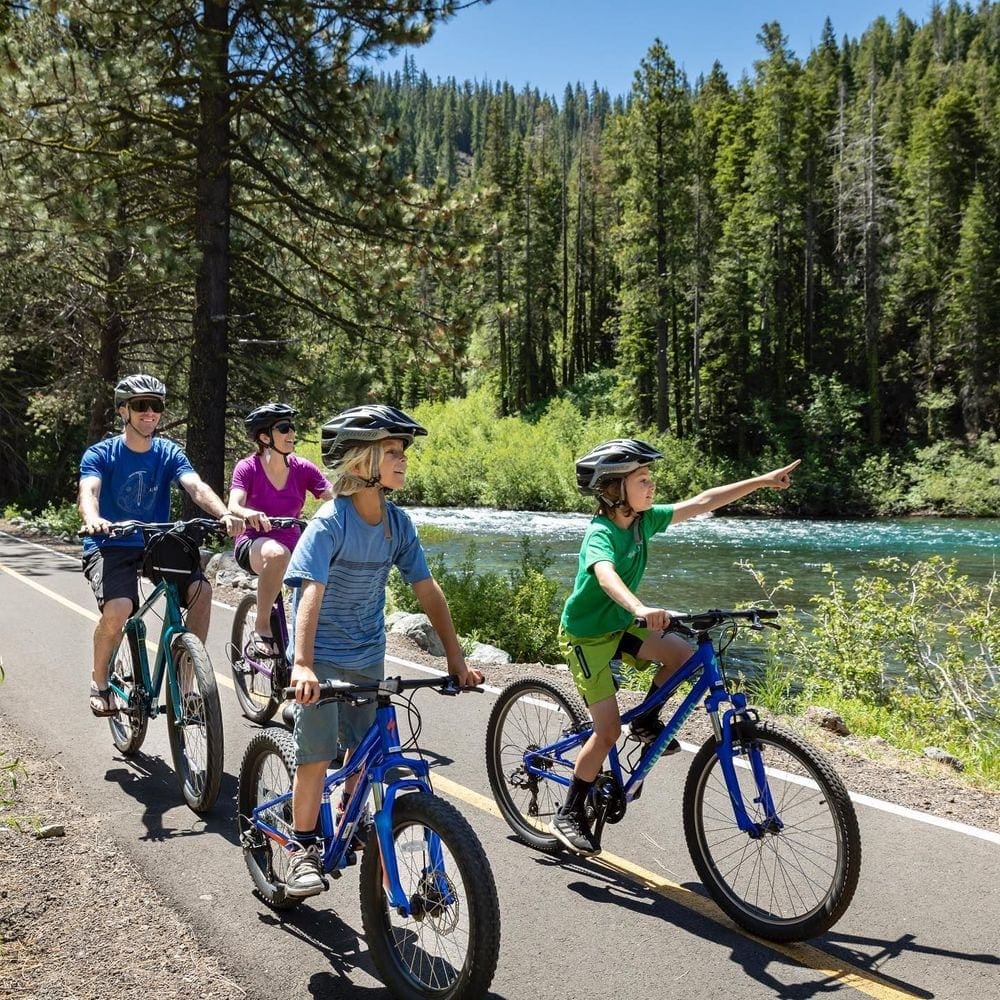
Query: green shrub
x=908 y=653
x=956 y=480
x=518 y=612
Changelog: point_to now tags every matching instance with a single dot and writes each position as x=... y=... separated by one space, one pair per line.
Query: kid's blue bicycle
x=171 y=552
x=428 y=899
x=259 y=680
x=770 y=827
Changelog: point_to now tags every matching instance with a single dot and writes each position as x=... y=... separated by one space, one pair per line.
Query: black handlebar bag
x=170 y=557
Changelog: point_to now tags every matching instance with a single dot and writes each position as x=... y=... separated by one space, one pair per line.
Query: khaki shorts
x=320 y=728
x=589 y=658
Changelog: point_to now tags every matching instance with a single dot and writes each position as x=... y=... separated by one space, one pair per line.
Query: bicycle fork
x=731 y=743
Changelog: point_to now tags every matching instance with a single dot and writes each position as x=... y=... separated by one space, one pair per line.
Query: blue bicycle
x=770 y=827
x=428 y=899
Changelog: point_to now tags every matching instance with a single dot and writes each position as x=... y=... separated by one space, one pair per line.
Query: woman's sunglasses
x=142 y=405
x=284 y=427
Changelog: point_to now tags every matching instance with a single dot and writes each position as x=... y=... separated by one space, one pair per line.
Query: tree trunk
x=207 y=384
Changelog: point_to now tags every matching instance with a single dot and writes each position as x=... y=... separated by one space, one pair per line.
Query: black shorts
x=241 y=553
x=113 y=571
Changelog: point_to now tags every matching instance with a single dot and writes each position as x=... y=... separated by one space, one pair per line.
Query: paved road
x=923 y=923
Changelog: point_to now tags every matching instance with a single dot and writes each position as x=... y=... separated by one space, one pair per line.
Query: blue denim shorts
x=320 y=730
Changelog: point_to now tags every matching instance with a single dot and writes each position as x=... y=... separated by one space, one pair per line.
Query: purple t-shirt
x=249 y=476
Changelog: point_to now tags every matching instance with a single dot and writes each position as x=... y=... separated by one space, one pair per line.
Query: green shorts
x=320 y=728
x=589 y=658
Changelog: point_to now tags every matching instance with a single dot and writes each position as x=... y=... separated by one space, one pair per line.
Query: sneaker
x=305 y=872
x=646 y=728
x=572 y=831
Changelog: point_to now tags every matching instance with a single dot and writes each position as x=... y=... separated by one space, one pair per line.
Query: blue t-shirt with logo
x=352 y=559
x=135 y=485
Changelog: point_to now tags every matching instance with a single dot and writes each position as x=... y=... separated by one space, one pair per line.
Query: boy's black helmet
x=263 y=418
x=138 y=385
x=363 y=425
x=612 y=460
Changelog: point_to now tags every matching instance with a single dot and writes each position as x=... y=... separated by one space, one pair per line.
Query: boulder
x=483 y=652
x=222 y=570
x=419 y=629
x=826 y=718
x=936 y=753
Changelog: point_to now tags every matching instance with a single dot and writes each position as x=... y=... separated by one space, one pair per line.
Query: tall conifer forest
x=234 y=197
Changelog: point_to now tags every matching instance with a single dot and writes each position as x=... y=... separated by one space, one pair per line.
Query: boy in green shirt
x=598 y=620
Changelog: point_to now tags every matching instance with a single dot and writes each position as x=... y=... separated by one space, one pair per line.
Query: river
x=694 y=565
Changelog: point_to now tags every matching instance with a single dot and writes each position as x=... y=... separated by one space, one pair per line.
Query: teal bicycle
x=194 y=717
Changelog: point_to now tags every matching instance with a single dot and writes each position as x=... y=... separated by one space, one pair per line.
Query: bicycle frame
x=263 y=665
x=173 y=624
x=377 y=754
x=709 y=688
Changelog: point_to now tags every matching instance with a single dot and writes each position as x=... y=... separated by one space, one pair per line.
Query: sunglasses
x=284 y=427
x=142 y=405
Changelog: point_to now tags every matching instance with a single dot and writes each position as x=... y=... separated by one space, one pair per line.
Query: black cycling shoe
x=571 y=830
x=646 y=728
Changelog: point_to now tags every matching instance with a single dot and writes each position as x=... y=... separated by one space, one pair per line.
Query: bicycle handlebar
x=702 y=621
x=120 y=529
x=346 y=691
x=287 y=522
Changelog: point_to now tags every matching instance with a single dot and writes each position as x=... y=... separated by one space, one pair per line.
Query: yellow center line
x=806 y=955
x=833 y=968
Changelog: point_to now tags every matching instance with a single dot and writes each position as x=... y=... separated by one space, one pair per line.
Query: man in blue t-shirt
x=128 y=478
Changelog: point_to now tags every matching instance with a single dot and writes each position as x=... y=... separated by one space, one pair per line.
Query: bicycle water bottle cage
x=170 y=556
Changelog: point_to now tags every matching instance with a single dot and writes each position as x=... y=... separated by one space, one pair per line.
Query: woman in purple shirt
x=271 y=483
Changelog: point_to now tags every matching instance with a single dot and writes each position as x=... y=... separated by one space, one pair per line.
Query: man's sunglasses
x=284 y=427
x=142 y=405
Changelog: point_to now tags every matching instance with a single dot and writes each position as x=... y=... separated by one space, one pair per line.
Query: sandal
x=103 y=695
x=263 y=646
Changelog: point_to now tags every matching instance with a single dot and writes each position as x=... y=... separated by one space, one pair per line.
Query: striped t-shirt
x=352 y=559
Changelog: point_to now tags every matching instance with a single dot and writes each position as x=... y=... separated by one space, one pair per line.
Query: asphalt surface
x=924 y=921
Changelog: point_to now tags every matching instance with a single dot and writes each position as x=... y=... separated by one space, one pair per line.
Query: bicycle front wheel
x=797 y=876
x=195 y=726
x=529 y=714
x=128 y=724
x=266 y=774
x=447 y=948
x=254 y=690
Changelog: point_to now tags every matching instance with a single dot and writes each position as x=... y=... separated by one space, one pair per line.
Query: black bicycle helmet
x=612 y=460
x=363 y=425
x=263 y=418
x=138 y=385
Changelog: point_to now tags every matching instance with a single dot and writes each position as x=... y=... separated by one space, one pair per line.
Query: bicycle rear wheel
x=447 y=948
x=128 y=724
x=796 y=879
x=195 y=726
x=266 y=773
x=529 y=714
x=254 y=690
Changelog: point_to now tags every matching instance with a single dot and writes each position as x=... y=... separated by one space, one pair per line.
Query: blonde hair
x=351 y=472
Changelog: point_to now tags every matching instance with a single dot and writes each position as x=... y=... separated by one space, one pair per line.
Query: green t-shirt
x=589 y=611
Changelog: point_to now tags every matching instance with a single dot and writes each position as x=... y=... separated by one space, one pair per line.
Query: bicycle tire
x=447 y=949
x=530 y=713
x=254 y=690
x=129 y=724
x=790 y=884
x=266 y=772
x=196 y=746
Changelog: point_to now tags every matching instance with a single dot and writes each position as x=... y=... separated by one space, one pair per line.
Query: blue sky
x=548 y=43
